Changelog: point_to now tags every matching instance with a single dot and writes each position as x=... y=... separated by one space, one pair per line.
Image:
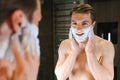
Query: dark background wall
x=46 y=71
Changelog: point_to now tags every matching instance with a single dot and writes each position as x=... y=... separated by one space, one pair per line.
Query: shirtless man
x=84 y=56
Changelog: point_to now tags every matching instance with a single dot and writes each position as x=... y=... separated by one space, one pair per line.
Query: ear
x=16 y=20
x=94 y=23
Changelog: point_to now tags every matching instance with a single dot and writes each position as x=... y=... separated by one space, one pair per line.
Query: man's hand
x=90 y=46
x=6 y=70
x=76 y=47
x=27 y=64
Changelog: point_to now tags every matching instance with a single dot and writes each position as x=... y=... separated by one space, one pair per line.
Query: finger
x=28 y=56
x=91 y=34
x=30 y=49
x=36 y=50
x=31 y=58
x=71 y=37
x=17 y=50
x=4 y=63
x=11 y=70
x=34 y=47
x=70 y=34
x=37 y=47
x=74 y=44
x=27 y=44
x=7 y=67
x=91 y=40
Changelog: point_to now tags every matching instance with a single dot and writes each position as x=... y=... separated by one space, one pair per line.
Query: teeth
x=79 y=33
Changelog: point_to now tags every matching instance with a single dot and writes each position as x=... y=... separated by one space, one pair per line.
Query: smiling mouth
x=79 y=34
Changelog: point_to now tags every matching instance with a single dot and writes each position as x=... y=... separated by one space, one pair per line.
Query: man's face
x=37 y=14
x=81 y=26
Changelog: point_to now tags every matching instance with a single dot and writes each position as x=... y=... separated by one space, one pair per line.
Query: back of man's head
x=7 y=7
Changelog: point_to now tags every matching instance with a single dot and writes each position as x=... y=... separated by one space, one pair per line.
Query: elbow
x=112 y=77
x=57 y=73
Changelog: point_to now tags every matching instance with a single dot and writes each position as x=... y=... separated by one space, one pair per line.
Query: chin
x=84 y=41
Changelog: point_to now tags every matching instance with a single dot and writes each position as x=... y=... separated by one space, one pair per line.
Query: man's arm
x=65 y=63
x=105 y=70
x=26 y=62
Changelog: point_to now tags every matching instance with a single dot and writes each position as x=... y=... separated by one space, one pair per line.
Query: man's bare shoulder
x=64 y=46
x=65 y=42
x=105 y=45
x=103 y=42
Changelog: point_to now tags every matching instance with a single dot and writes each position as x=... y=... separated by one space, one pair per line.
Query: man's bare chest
x=81 y=67
x=81 y=70
x=81 y=64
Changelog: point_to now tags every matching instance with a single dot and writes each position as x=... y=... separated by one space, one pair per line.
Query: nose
x=79 y=27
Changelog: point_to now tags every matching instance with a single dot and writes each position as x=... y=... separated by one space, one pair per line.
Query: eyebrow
x=86 y=21
x=83 y=21
x=73 y=21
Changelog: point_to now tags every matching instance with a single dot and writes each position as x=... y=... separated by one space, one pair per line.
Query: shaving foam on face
x=85 y=33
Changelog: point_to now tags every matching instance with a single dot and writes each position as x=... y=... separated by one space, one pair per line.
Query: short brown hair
x=9 y=6
x=84 y=8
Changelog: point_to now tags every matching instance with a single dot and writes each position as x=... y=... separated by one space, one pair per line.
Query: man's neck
x=83 y=43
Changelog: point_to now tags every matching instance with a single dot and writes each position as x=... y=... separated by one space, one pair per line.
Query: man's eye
x=74 y=23
x=85 y=24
